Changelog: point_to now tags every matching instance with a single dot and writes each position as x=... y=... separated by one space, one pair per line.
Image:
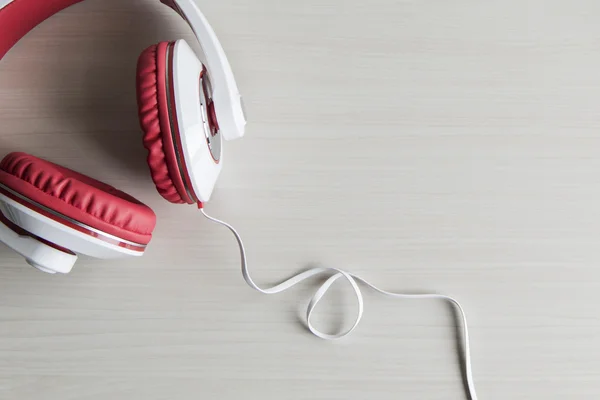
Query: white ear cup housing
x=201 y=150
x=58 y=254
x=227 y=98
x=38 y=254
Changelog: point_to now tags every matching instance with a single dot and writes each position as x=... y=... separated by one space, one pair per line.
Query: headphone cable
x=353 y=279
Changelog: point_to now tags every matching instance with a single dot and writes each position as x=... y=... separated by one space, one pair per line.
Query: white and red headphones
x=49 y=213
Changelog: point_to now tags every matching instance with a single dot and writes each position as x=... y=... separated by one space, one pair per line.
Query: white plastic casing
x=202 y=168
x=226 y=96
x=38 y=254
x=45 y=257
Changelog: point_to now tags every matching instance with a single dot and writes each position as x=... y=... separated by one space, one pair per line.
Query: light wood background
x=447 y=146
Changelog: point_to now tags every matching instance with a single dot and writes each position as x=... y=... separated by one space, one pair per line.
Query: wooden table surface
x=435 y=146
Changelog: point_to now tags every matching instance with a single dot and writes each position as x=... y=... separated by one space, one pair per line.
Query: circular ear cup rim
x=78 y=197
x=22 y=232
x=154 y=116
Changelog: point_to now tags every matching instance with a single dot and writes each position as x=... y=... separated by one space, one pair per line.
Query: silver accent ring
x=170 y=111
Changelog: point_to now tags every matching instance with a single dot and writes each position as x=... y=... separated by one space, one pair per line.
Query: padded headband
x=18 y=17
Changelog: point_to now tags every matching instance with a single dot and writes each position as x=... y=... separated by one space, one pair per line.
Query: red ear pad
x=154 y=119
x=78 y=197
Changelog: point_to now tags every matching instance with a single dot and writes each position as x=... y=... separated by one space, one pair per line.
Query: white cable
x=352 y=279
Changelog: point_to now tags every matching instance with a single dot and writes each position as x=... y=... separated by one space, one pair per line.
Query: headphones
x=49 y=213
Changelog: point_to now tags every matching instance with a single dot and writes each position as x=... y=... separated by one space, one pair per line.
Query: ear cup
x=77 y=197
x=156 y=121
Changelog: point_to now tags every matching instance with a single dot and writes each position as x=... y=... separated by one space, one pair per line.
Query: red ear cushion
x=78 y=197
x=154 y=121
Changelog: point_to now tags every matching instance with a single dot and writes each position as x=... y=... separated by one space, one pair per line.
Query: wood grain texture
x=433 y=146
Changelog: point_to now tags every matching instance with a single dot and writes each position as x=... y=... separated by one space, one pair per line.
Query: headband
x=18 y=17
